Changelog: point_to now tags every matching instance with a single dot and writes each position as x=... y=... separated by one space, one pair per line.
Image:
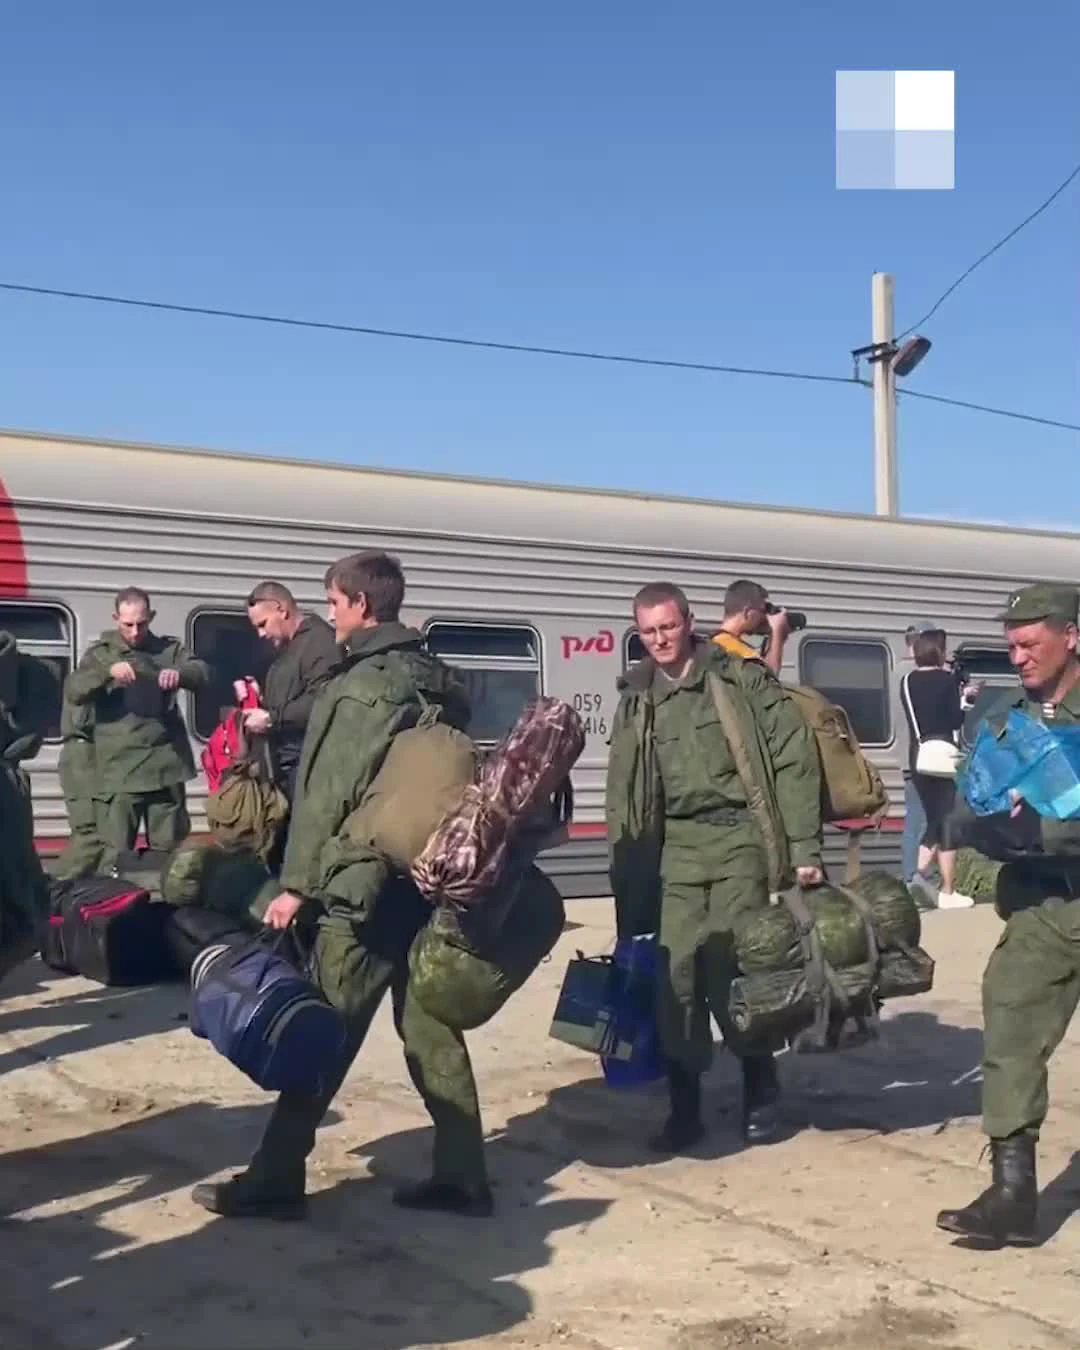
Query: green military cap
x=1043 y=600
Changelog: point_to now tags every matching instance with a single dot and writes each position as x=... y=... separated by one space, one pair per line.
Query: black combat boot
x=761 y=1092
x=1005 y=1215
x=248 y=1196
x=683 y=1127
x=474 y=1202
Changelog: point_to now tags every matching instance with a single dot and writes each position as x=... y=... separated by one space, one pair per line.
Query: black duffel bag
x=109 y=930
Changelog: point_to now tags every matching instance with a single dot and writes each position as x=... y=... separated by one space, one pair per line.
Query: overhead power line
x=981 y=407
x=990 y=252
x=366 y=331
x=618 y=357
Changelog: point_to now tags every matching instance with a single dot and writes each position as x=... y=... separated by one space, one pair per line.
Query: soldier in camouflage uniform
x=361 y=949
x=85 y=848
x=688 y=857
x=1032 y=981
x=129 y=678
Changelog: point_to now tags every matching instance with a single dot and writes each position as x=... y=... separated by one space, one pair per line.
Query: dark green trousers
x=354 y=964
x=1030 y=991
x=164 y=811
x=82 y=854
x=697 y=966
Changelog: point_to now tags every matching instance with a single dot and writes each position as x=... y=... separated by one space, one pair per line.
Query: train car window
x=45 y=636
x=231 y=647
x=855 y=675
x=500 y=664
x=633 y=649
x=985 y=663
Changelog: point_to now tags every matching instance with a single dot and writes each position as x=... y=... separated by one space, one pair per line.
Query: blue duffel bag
x=257 y=1009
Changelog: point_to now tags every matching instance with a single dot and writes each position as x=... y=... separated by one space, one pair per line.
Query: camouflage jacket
x=641 y=809
x=140 y=740
x=386 y=679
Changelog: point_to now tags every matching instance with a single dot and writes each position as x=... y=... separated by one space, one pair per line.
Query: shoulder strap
x=755 y=792
x=905 y=694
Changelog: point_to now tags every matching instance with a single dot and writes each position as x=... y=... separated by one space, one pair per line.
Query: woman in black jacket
x=932 y=704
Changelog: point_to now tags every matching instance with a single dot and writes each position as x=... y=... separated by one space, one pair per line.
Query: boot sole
x=990 y=1241
x=285 y=1212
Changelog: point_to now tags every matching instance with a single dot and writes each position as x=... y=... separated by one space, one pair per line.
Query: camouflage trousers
x=1031 y=988
x=164 y=812
x=698 y=964
x=354 y=964
x=82 y=854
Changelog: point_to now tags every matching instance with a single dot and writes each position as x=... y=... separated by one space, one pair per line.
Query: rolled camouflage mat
x=782 y=1003
x=768 y=940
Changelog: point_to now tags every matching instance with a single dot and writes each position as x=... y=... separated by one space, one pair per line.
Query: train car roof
x=178 y=480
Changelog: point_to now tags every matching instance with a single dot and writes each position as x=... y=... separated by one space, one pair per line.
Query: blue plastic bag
x=1037 y=762
x=633 y=1005
x=607 y=1006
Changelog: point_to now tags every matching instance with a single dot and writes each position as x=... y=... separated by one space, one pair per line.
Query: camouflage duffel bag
x=464 y=965
x=228 y=881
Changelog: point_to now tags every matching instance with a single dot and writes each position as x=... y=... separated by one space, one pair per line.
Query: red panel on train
x=14 y=582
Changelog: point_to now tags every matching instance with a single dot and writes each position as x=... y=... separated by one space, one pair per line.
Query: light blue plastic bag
x=1037 y=762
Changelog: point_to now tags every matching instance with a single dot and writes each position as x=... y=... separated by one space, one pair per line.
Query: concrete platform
x=110 y=1110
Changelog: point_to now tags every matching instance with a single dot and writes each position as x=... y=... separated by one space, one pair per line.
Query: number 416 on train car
x=590 y=707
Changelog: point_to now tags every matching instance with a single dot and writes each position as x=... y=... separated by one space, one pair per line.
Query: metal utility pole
x=884 y=389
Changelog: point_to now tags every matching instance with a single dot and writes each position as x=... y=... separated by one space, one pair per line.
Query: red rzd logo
x=602 y=642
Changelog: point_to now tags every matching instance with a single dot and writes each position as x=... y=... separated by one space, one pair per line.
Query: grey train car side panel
x=197 y=529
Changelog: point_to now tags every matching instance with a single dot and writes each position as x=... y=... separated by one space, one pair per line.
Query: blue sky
x=633 y=177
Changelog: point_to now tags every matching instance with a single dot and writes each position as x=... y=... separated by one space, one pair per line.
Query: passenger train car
x=524 y=588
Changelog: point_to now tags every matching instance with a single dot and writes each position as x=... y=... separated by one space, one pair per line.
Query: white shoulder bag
x=936 y=757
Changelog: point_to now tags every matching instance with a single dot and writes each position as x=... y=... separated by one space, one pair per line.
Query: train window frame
x=66 y=650
x=631 y=635
x=970 y=653
x=485 y=662
x=879 y=644
x=194 y=616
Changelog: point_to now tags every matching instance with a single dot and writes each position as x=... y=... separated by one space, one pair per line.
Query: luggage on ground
x=109 y=930
x=523 y=786
x=201 y=872
x=257 y=1009
x=465 y=964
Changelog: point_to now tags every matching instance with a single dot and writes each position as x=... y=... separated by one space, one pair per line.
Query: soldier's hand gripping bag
x=465 y=964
